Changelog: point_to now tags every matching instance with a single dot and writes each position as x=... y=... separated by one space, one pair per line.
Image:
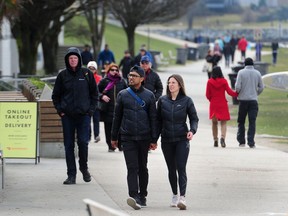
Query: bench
x=95 y=209
x=160 y=62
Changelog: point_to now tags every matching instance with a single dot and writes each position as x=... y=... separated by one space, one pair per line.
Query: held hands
x=153 y=146
x=189 y=135
x=114 y=143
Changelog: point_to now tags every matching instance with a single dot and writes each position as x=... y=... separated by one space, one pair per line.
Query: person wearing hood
x=75 y=97
x=216 y=87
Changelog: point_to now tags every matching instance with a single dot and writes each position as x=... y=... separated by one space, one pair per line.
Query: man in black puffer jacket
x=136 y=124
x=75 y=96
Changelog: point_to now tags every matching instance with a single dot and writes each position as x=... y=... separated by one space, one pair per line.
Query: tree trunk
x=50 y=47
x=27 y=47
x=50 y=50
x=130 y=32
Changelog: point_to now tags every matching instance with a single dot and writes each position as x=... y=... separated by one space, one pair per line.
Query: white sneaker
x=133 y=203
x=174 y=201
x=97 y=139
x=182 y=203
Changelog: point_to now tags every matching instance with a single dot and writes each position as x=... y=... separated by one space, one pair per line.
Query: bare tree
x=9 y=9
x=32 y=25
x=95 y=12
x=132 y=13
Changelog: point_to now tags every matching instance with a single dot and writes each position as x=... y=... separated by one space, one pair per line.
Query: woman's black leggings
x=176 y=156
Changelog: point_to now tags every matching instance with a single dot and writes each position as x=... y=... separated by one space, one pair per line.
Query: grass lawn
x=117 y=40
x=273 y=112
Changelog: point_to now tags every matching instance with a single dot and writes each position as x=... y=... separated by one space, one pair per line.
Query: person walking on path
x=109 y=87
x=75 y=108
x=92 y=65
x=172 y=111
x=258 y=50
x=216 y=87
x=242 y=46
x=104 y=56
x=249 y=85
x=136 y=124
x=274 y=47
x=86 y=55
x=233 y=44
x=125 y=64
x=212 y=59
x=152 y=80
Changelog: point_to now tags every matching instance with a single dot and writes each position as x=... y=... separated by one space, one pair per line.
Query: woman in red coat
x=216 y=87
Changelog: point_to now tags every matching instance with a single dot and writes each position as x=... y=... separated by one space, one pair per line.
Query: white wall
x=9 y=60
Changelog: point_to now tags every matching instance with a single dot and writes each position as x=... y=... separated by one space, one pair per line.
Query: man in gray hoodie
x=249 y=85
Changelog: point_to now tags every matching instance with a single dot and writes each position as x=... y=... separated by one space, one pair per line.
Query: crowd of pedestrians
x=128 y=99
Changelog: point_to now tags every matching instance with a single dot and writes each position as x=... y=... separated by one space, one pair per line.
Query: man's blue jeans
x=81 y=125
x=249 y=108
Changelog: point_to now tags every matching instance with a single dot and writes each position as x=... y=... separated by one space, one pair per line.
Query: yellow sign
x=18 y=129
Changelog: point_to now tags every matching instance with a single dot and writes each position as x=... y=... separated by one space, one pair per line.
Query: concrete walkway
x=231 y=181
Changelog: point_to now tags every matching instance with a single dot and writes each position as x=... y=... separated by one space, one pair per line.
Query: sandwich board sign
x=18 y=129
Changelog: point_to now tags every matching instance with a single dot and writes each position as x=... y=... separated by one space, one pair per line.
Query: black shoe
x=86 y=175
x=222 y=141
x=215 y=143
x=134 y=202
x=143 y=201
x=252 y=146
x=70 y=180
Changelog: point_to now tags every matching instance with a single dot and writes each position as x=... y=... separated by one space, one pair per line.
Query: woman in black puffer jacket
x=172 y=111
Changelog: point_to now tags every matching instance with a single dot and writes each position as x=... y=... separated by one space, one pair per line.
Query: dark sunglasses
x=116 y=70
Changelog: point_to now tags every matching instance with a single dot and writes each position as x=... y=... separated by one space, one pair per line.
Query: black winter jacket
x=153 y=82
x=75 y=92
x=107 y=116
x=172 y=116
x=131 y=121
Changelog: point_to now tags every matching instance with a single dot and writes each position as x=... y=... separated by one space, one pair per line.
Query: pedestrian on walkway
x=242 y=46
x=106 y=55
x=233 y=44
x=125 y=64
x=109 y=87
x=75 y=97
x=172 y=111
x=152 y=80
x=86 y=55
x=249 y=85
x=274 y=47
x=212 y=59
x=92 y=65
x=218 y=109
x=135 y=120
x=258 y=50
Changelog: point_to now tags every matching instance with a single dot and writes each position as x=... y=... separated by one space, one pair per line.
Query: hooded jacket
x=75 y=92
x=215 y=93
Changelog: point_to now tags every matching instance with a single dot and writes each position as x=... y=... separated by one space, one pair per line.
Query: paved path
x=221 y=182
